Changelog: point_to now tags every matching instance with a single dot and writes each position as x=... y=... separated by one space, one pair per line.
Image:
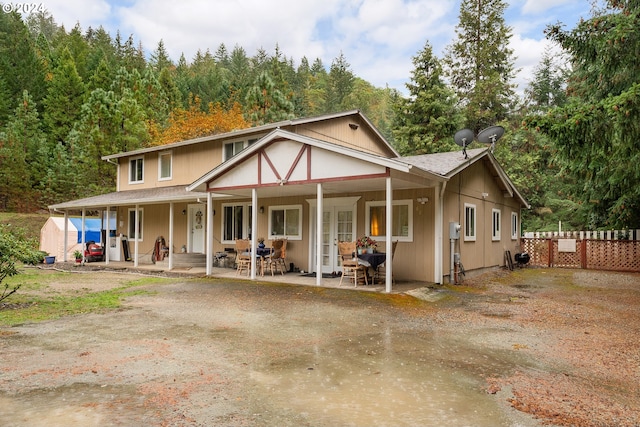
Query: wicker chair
x=243 y=256
x=352 y=267
x=276 y=260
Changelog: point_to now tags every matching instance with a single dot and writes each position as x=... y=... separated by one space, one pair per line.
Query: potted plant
x=366 y=244
x=78 y=255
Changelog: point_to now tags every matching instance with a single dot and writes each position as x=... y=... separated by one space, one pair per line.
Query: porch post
x=107 y=238
x=66 y=236
x=319 y=210
x=82 y=242
x=438 y=249
x=170 y=236
x=254 y=229
x=209 y=234
x=136 y=235
x=389 y=248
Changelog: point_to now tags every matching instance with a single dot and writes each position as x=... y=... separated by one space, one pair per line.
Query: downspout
x=440 y=249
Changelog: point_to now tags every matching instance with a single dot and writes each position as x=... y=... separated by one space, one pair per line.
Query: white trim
x=514 y=226
x=285 y=235
x=132 y=159
x=496 y=224
x=160 y=155
x=468 y=237
x=132 y=236
x=383 y=238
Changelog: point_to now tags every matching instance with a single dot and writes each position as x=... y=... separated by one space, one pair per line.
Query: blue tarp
x=92 y=228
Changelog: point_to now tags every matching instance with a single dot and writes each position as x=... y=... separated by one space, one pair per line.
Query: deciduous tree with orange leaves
x=194 y=122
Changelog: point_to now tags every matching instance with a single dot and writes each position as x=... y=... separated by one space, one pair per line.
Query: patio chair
x=276 y=260
x=243 y=256
x=352 y=267
x=381 y=271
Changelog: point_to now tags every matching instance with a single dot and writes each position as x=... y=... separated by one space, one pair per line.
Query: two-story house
x=314 y=181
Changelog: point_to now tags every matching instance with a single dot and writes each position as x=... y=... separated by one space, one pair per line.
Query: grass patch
x=37 y=300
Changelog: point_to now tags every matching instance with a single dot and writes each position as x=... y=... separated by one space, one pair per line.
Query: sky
x=378 y=38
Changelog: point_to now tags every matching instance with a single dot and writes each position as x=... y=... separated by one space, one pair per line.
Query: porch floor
x=230 y=273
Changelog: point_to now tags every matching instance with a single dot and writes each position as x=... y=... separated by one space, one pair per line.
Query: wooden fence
x=615 y=250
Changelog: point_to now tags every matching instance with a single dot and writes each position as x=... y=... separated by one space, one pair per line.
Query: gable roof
x=279 y=134
x=253 y=130
x=451 y=163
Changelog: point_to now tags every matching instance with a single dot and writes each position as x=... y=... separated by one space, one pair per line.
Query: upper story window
x=136 y=170
x=514 y=225
x=285 y=222
x=469 y=222
x=495 y=224
x=233 y=148
x=401 y=224
x=165 y=166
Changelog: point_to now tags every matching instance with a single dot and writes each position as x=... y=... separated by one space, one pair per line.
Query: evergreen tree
x=548 y=87
x=480 y=65
x=596 y=132
x=265 y=103
x=64 y=99
x=427 y=120
x=339 y=83
x=160 y=58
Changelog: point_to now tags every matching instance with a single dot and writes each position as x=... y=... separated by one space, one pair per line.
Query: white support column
x=66 y=236
x=209 y=234
x=136 y=235
x=170 y=243
x=107 y=237
x=389 y=261
x=254 y=229
x=319 y=230
x=439 y=230
x=82 y=233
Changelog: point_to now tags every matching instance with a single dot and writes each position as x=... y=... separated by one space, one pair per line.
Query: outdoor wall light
x=422 y=200
x=485 y=195
x=184 y=211
x=261 y=209
x=353 y=126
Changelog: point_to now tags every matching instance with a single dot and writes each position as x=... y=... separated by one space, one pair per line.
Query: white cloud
x=70 y=12
x=539 y=6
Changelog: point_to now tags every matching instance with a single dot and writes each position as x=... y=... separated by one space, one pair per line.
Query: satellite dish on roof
x=463 y=138
x=490 y=135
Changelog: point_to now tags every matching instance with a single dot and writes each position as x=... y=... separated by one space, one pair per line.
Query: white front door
x=339 y=224
x=196 y=225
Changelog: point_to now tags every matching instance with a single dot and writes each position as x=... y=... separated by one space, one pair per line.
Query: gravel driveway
x=526 y=348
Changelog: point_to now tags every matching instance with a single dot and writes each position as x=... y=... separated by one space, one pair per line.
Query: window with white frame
x=236 y=221
x=132 y=224
x=233 y=148
x=136 y=170
x=165 y=165
x=469 y=222
x=514 y=226
x=495 y=224
x=401 y=220
x=285 y=222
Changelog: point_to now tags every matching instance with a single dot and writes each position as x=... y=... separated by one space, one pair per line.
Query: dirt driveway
x=528 y=348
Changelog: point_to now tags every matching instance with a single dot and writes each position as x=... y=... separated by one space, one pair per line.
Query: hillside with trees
x=69 y=97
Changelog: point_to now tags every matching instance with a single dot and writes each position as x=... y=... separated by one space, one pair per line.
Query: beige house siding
x=468 y=187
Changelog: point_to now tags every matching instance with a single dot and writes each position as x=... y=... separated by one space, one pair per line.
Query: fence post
x=550 y=252
x=583 y=253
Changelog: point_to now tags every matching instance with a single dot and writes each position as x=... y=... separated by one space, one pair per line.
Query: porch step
x=183 y=260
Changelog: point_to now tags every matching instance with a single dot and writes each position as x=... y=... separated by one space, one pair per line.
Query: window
x=402 y=220
x=286 y=222
x=236 y=222
x=514 y=225
x=495 y=224
x=469 y=222
x=132 y=224
x=233 y=148
x=164 y=166
x=136 y=170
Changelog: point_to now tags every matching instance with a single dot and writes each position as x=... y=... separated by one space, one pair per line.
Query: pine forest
x=70 y=96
